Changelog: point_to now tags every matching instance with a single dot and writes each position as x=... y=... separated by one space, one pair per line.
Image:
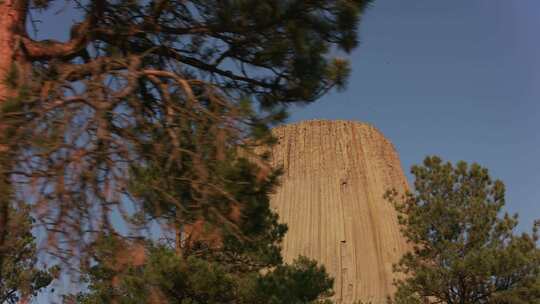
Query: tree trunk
x=12 y=27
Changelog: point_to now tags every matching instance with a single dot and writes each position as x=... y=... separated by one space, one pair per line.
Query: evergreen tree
x=463 y=249
x=213 y=262
x=167 y=278
x=163 y=86
x=151 y=111
x=20 y=276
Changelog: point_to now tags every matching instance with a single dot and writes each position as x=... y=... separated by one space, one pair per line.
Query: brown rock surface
x=336 y=173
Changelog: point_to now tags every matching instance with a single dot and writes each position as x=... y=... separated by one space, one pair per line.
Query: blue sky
x=459 y=79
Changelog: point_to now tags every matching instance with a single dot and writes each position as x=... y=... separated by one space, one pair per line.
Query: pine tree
x=150 y=113
x=212 y=263
x=167 y=278
x=464 y=250
x=20 y=276
x=141 y=82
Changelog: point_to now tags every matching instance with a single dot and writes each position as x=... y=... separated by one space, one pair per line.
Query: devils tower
x=331 y=197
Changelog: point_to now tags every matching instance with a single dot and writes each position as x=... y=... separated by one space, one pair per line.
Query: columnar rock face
x=331 y=197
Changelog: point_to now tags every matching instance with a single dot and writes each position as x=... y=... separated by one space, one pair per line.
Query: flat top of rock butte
x=333 y=123
x=325 y=122
x=331 y=196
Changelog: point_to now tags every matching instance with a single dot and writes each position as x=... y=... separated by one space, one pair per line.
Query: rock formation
x=331 y=197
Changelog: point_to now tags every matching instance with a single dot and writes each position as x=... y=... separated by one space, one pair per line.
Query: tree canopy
x=166 y=278
x=177 y=86
x=464 y=249
x=149 y=114
x=20 y=275
x=209 y=263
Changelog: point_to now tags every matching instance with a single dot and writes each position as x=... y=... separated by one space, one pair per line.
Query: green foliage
x=239 y=213
x=301 y=282
x=235 y=258
x=159 y=95
x=464 y=250
x=156 y=107
x=19 y=275
x=282 y=49
x=260 y=232
x=167 y=278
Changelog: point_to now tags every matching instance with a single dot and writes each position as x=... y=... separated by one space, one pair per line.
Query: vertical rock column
x=331 y=197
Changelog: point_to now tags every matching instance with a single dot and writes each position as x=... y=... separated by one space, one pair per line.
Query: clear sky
x=459 y=79
x=455 y=78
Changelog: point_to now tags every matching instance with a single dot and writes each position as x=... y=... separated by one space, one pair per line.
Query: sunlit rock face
x=331 y=197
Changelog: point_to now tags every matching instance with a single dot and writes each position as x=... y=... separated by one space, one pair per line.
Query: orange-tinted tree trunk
x=12 y=27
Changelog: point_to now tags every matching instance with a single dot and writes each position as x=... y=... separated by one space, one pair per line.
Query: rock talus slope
x=331 y=197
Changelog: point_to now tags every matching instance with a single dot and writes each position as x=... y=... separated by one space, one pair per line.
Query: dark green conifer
x=464 y=249
x=20 y=276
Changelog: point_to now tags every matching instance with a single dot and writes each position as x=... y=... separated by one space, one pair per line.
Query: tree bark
x=12 y=27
